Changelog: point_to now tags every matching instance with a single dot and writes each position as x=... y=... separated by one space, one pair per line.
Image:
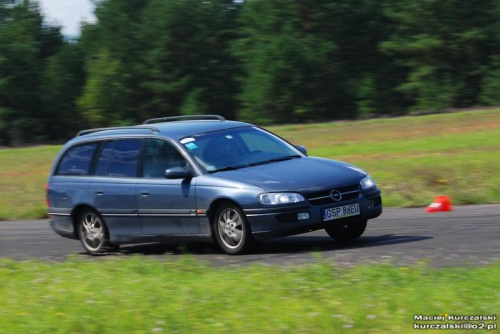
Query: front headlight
x=280 y=198
x=367 y=182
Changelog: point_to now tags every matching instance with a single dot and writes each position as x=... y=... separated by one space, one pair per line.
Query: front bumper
x=267 y=223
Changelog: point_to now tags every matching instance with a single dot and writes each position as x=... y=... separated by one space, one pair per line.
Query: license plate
x=341 y=212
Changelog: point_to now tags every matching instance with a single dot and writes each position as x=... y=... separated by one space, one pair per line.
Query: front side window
x=238 y=148
x=159 y=156
x=124 y=157
x=77 y=160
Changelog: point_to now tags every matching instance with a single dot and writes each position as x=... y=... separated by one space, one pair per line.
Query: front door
x=166 y=207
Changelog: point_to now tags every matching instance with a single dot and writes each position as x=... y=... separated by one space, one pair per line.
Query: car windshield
x=238 y=148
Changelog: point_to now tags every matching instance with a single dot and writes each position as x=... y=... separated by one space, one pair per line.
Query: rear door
x=114 y=186
x=166 y=207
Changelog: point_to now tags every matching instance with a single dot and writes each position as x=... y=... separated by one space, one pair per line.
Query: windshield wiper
x=233 y=167
x=283 y=158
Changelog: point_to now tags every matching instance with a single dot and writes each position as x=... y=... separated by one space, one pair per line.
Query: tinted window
x=159 y=156
x=77 y=160
x=103 y=160
x=124 y=156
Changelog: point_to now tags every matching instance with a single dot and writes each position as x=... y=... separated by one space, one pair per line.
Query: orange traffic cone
x=441 y=203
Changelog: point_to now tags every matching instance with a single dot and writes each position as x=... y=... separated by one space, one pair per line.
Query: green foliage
x=98 y=103
x=20 y=58
x=193 y=103
x=366 y=96
x=444 y=45
x=39 y=77
x=112 y=51
x=171 y=59
x=490 y=88
x=185 y=66
x=61 y=86
x=289 y=69
x=263 y=61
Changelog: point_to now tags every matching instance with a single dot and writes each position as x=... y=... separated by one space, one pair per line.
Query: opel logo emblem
x=336 y=195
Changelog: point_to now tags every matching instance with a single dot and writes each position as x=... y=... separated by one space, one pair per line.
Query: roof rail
x=185 y=118
x=135 y=127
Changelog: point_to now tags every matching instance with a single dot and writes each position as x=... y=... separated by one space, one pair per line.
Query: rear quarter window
x=77 y=160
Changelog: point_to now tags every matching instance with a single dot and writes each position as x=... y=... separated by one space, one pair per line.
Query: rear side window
x=77 y=160
x=124 y=157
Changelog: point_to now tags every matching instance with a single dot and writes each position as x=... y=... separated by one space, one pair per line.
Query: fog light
x=371 y=203
x=303 y=216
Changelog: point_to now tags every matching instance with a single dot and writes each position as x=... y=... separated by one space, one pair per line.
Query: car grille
x=323 y=197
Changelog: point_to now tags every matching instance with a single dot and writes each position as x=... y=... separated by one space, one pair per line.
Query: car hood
x=305 y=175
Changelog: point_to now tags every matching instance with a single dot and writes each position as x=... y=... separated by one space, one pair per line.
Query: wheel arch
x=76 y=213
x=213 y=209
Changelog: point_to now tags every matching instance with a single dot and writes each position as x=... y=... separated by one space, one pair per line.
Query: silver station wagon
x=201 y=177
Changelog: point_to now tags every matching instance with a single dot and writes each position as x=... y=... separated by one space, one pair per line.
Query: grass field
x=412 y=159
x=136 y=295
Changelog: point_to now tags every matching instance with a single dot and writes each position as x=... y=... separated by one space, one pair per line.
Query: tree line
x=264 y=61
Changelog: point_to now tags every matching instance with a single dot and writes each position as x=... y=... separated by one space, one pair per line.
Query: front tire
x=231 y=229
x=92 y=232
x=344 y=232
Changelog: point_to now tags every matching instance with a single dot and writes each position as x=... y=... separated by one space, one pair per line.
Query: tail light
x=47 y=200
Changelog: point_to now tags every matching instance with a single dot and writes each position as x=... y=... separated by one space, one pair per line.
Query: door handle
x=99 y=192
x=144 y=193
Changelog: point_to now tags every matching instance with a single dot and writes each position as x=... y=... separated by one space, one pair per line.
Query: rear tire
x=347 y=231
x=93 y=232
x=231 y=229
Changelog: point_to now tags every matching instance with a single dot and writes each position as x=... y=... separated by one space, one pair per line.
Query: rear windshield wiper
x=283 y=158
x=233 y=167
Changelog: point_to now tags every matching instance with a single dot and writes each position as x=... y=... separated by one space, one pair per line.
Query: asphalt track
x=467 y=236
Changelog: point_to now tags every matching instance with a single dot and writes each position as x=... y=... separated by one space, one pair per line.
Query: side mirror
x=178 y=173
x=302 y=149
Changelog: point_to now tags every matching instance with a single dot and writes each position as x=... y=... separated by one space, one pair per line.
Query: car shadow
x=293 y=244
x=324 y=243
